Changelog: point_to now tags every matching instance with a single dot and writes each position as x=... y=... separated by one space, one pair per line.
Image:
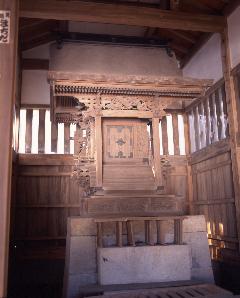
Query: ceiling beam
x=120 y=14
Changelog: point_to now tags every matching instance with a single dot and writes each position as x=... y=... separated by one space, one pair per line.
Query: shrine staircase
x=128 y=177
x=131 y=190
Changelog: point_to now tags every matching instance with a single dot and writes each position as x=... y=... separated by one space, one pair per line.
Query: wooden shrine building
x=119 y=153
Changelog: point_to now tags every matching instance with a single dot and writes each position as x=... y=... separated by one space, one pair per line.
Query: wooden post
x=28 y=136
x=156 y=151
x=119 y=233
x=164 y=136
x=130 y=235
x=175 y=134
x=149 y=232
x=41 y=131
x=66 y=138
x=98 y=141
x=178 y=231
x=233 y=121
x=100 y=234
x=160 y=235
x=8 y=54
x=189 y=170
x=54 y=137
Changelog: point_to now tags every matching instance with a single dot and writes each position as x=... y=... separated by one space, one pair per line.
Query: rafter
x=120 y=14
x=182 y=35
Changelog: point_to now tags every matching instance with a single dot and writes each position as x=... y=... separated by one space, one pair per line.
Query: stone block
x=144 y=264
x=196 y=223
x=82 y=255
x=76 y=281
x=199 y=249
x=203 y=274
x=82 y=226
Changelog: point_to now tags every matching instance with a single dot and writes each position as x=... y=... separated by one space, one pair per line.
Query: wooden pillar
x=98 y=142
x=233 y=121
x=156 y=151
x=8 y=54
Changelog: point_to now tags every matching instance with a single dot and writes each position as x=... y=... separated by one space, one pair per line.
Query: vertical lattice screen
x=38 y=134
x=208 y=120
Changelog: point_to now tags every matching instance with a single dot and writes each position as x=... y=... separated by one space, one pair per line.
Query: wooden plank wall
x=211 y=169
x=213 y=196
x=46 y=196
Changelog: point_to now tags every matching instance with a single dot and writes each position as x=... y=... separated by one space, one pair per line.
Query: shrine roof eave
x=156 y=84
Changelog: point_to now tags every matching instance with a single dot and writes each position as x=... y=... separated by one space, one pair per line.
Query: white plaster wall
x=206 y=63
x=234 y=36
x=113 y=60
x=35 y=88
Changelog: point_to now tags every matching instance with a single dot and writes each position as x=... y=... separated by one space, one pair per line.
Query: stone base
x=130 y=265
x=135 y=205
x=81 y=268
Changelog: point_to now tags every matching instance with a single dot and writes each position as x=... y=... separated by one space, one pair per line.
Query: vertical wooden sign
x=4 y=26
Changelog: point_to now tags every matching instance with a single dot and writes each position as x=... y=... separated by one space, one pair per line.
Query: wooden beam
x=183 y=35
x=233 y=122
x=120 y=14
x=8 y=54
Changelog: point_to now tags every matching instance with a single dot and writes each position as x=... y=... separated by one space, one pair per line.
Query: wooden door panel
x=125 y=140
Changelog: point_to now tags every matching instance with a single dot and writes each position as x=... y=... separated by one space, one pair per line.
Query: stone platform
x=81 y=269
x=144 y=264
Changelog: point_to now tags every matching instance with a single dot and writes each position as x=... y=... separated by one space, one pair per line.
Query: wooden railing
x=208 y=119
x=149 y=222
x=59 y=138
x=51 y=137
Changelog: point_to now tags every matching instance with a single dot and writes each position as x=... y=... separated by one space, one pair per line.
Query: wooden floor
x=183 y=289
x=203 y=290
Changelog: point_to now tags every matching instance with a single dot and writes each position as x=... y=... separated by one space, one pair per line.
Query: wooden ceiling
x=34 y=32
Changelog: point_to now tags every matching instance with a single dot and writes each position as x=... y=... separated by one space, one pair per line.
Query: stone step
x=132 y=195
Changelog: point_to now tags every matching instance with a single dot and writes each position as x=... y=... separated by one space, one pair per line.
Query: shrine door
x=125 y=141
x=126 y=155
